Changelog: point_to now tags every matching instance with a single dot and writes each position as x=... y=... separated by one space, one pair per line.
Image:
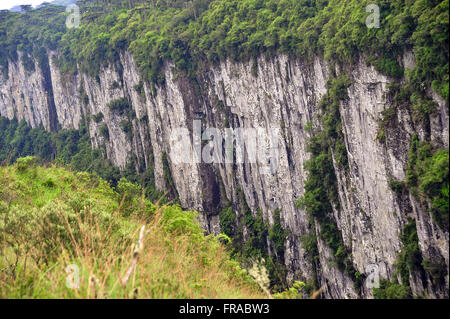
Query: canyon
x=273 y=92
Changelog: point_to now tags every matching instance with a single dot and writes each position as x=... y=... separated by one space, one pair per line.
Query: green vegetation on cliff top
x=190 y=32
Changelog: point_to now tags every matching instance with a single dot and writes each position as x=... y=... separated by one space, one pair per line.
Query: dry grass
x=79 y=221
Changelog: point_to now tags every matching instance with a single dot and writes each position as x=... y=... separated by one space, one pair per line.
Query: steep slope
x=133 y=117
x=69 y=235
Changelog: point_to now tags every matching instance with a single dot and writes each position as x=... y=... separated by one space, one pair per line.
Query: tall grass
x=53 y=221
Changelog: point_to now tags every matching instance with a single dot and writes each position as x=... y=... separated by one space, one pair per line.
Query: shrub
x=427 y=174
x=139 y=88
x=227 y=219
x=396 y=186
x=25 y=163
x=129 y=194
x=294 y=292
x=98 y=117
x=126 y=127
x=436 y=268
x=104 y=131
x=49 y=183
x=120 y=105
x=389 y=67
x=391 y=290
x=278 y=235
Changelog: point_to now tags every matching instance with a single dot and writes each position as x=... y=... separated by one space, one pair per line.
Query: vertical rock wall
x=282 y=94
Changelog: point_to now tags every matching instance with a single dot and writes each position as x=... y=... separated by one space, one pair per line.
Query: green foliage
x=28 y=33
x=192 y=33
x=129 y=194
x=388 y=66
x=37 y=218
x=321 y=193
x=126 y=127
x=140 y=89
x=81 y=220
x=176 y=222
x=25 y=163
x=396 y=186
x=257 y=229
x=19 y=140
x=121 y=106
x=391 y=290
x=436 y=269
x=98 y=117
x=309 y=243
x=278 y=235
x=227 y=221
x=386 y=116
x=103 y=130
x=410 y=258
x=72 y=148
x=427 y=176
x=259 y=240
x=294 y=292
x=84 y=98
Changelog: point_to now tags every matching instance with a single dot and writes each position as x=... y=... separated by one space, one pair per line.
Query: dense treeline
x=28 y=33
x=69 y=147
x=187 y=32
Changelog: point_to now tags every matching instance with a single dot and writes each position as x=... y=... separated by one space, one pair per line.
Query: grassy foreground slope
x=53 y=221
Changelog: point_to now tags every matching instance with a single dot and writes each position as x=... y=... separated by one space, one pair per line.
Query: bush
x=49 y=183
x=294 y=292
x=227 y=219
x=391 y=290
x=121 y=106
x=437 y=269
x=24 y=163
x=43 y=231
x=129 y=194
x=104 y=131
x=389 y=67
x=278 y=235
x=126 y=127
x=98 y=117
x=427 y=174
x=139 y=88
x=409 y=259
x=396 y=186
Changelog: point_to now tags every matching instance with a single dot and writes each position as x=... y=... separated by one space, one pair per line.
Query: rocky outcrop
x=279 y=93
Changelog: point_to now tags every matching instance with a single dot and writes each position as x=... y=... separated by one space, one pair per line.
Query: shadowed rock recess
x=278 y=91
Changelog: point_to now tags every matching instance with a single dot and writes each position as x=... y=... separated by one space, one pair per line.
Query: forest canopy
x=188 y=33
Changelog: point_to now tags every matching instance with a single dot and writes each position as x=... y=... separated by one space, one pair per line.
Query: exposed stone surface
x=283 y=94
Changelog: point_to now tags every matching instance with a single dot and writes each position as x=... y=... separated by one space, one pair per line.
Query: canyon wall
x=274 y=93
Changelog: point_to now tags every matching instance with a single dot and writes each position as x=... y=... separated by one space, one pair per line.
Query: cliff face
x=282 y=94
